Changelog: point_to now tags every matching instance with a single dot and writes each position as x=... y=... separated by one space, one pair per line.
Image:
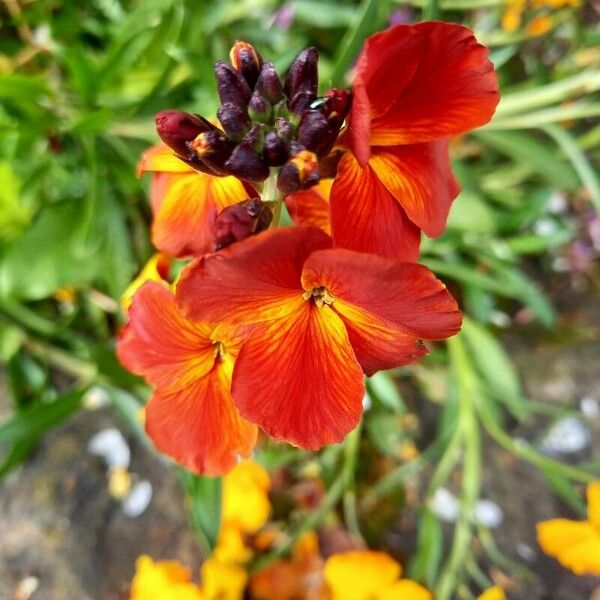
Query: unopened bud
x=238 y=221
x=337 y=106
x=284 y=129
x=260 y=108
x=176 y=128
x=300 y=102
x=275 y=150
x=299 y=173
x=245 y=59
x=302 y=75
x=212 y=148
x=269 y=84
x=315 y=133
x=245 y=163
x=255 y=137
x=234 y=119
x=231 y=86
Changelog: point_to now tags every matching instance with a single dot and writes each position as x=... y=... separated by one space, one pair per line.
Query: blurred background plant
x=79 y=85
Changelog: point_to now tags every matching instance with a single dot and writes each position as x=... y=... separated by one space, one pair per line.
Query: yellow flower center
x=320 y=296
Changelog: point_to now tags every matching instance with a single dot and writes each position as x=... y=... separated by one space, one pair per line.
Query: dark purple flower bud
x=315 y=133
x=176 y=128
x=255 y=137
x=299 y=173
x=284 y=128
x=213 y=149
x=269 y=84
x=337 y=106
x=245 y=163
x=275 y=151
x=302 y=76
x=238 y=221
x=231 y=86
x=245 y=59
x=260 y=108
x=300 y=102
x=234 y=119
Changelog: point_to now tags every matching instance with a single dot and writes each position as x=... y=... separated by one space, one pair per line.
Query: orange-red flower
x=191 y=416
x=185 y=202
x=321 y=317
x=415 y=87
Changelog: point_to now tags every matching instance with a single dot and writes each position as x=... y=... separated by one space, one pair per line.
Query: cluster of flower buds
x=265 y=123
x=238 y=221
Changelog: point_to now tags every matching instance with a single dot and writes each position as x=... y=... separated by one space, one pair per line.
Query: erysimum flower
x=370 y=575
x=575 y=544
x=156 y=269
x=493 y=593
x=162 y=579
x=185 y=202
x=415 y=86
x=320 y=317
x=191 y=416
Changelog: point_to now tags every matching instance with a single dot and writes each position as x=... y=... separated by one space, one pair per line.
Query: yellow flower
x=246 y=497
x=162 y=580
x=493 y=593
x=539 y=25
x=222 y=581
x=156 y=269
x=575 y=544
x=369 y=575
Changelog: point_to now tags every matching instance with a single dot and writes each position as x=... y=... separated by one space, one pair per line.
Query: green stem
x=431 y=10
x=271 y=194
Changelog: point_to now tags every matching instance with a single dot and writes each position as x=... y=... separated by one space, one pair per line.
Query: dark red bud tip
x=299 y=173
x=234 y=119
x=244 y=163
x=239 y=221
x=269 y=84
x=260 y=108
x=276 y=150
x=176 y=128
x=337 y=106
x=315 y=133
x=302 y=76
x=213 y=149
x=231 y=86
x=245 y=59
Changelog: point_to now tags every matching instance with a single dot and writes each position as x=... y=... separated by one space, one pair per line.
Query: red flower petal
x=367 y=218
x=298 y=378
x=407 y=295
x=251 y=281
x=311 y=207
x=161 y=344
x=424 y=82
x=199 y=427
x=420 y=178
x=182 y=224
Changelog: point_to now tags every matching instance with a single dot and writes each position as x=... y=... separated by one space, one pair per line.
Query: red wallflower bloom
x=321 y=317
x=415 y=87
x=191 y=416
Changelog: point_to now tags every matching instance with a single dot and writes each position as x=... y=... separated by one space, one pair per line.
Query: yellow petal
x=161 y=580
x=246 y=497
x=231 y=547
x=583 y=558
x=360 y=575
x=493 y=593
x=593 y=499
x=556 y=535
x=160 y=158
x=405 y=589
x=221 y=581
x=156 y=269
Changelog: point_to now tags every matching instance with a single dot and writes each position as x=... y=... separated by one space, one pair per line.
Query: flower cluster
x=275 y=327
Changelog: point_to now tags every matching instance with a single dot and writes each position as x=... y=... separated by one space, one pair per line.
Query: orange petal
x=159 y=343
x=251 y=281
x=311 y=207
x=407 y=295
x=160 y=158
x=182 y=225
x=420 y=178
x=593 y=500
x=405 y=589
x=367 y=218
x=360 y=575
x=424 y=82
x=298 y=378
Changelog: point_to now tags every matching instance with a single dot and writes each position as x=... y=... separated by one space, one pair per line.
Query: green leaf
x=383 y=389
x=425 y=562
x=471 y=213
x=495 y=367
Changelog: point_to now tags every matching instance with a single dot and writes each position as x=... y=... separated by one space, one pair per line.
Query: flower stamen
x=320 y=296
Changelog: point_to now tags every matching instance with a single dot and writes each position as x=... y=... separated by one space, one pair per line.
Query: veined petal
x=424 y=82
x=311 y=207
x=159 y=343
x=198 y=426
x=420 y=178
x=405 y=589
x=298 y=379
x=367 y=218
x=407 y=295
x=182 y=224
x=593 y=501
x=252 y=281
x=160 y=159
x=360 y=575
